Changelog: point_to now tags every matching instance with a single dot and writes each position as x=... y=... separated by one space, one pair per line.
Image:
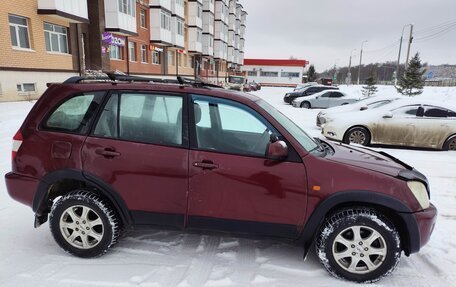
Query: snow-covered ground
x=30 y=257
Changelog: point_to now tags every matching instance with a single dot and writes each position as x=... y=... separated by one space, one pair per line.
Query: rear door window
x=75 y=114
x=142 y=117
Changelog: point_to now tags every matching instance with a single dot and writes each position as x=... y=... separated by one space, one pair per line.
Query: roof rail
x=126 y=78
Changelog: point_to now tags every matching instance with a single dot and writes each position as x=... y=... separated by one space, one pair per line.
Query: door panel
x=137 y=148
x=247 y=189
x=232 y=186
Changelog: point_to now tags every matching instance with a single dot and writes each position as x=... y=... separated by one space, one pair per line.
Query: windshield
x=236 y=80
x=304 y=139
x=378 y=104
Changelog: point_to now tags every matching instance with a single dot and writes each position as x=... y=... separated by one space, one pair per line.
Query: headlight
x=419 y=191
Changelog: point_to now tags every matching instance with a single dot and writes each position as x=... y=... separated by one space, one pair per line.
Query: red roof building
x=275 y=72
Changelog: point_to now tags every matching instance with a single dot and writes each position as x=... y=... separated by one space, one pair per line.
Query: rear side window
x=75 y=114
x=147 y=118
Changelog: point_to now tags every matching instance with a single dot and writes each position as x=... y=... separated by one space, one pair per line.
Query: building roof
x=275 y=62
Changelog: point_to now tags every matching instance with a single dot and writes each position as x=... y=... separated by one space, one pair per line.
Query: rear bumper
x=21 y=188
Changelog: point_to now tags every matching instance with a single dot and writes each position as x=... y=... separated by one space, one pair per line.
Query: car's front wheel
x=357 y=135
x=358 y=244
x=305 y=105
x=83 y=224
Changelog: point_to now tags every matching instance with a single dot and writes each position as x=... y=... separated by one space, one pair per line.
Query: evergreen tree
x=311 y=75
x=370 y=89
x=412 y=82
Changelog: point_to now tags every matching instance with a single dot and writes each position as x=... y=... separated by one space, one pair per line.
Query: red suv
x=97 y=157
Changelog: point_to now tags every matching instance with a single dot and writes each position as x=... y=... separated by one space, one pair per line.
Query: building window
x=199 y=11
x=290 y=75
x=171 y=58
x=26 y=87
x=252 y=73
x=142 y=18
x=269 y=74
x=190 y=61
x=19 y=31
x=132 y=51
x=56 y=38
x=127 y=7
x=180 y=27
x=144 y=53
x=165 y=21
x=156 y=56
x=198 y=35
x=115 y=52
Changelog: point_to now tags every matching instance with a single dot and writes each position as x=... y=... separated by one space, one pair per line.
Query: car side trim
x=40 y=199
x=288 y=231
x=360 y=197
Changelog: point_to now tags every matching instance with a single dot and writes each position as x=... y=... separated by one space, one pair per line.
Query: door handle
x=107 y=152
x=205 y=165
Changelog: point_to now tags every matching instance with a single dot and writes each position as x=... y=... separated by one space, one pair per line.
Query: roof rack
x=113 y=77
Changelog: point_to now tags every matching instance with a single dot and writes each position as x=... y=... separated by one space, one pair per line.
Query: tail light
x=17 y=142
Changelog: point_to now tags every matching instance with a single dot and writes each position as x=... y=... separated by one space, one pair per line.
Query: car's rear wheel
x=83 y=224
x=358 y=244
x=357 y=135
x=450 y=144
x=305 y=105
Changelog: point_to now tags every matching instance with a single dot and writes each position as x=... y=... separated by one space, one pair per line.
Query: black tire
x=305 y=105
x=358 y=135
x=450 y=143
x=99 y=227
x=356 y=262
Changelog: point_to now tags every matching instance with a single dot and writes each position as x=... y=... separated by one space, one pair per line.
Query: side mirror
x=276 y=150
x=388 y=115
x=363 y=108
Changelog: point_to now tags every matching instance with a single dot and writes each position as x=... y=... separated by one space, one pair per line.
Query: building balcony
x=242 y=33
x=208 y=23
x=230 y=56
x=121 y=20
x=220 y=50
x=195 y=14
x=221 y=31
x=221 y=12
x=208 y=6
x=231 y=37
x=232 y=6
x=162 y=4
x=232 y=22
x=195 y=44
x=208 y=45
x=159 y=34
x=178 y=8
x=74 y=11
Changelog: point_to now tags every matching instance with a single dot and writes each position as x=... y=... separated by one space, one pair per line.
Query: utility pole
x=409 y=45
x=348 y=79
x=399 y=55
x=360 y=60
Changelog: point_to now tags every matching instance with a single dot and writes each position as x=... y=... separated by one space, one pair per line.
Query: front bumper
x=296 y=104
x=21 y=188
x=419 y=227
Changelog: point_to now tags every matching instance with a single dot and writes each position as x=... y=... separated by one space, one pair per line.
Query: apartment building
x=51 y=40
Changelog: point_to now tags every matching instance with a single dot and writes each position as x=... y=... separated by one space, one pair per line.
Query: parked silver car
x=324 y=99
x=405 y=122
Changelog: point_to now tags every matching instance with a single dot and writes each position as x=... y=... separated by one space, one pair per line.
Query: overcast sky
x=325 y=31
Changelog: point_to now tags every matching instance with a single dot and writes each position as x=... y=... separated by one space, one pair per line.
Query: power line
x=436 y=34
x=395 y=43
x=436 y=27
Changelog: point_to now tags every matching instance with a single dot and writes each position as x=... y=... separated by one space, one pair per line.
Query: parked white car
x=362 y=105
x=324 y=99
x=305 y=85
x=405 y=122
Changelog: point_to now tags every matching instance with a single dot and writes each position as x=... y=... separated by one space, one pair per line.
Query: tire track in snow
x=203 y=264
x=246 y=265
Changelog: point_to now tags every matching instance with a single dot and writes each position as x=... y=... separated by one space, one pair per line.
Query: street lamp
x=348 y=79
x=399 y=56
x=360 y=59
